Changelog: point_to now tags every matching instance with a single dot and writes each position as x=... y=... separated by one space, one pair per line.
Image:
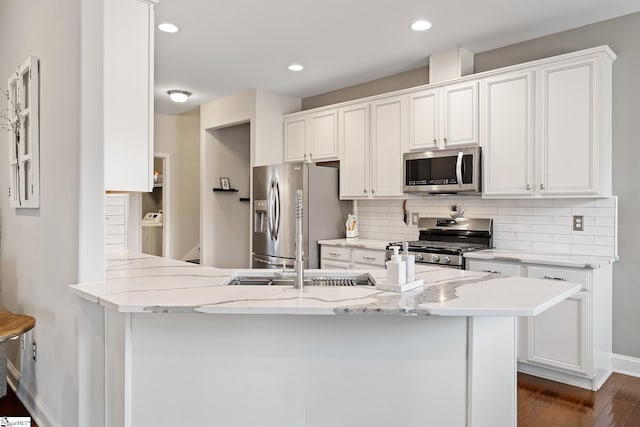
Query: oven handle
x=459 y=168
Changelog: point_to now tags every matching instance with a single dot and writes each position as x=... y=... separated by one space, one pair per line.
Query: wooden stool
x=11 y=326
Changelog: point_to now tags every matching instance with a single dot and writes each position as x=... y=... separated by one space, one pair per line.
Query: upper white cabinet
x=444 y=117
x=507 y=115
x=372 y=139
x=128 y=69
x=312 y=137
x=546 y=129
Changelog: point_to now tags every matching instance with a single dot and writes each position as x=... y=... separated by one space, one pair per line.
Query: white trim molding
x=626 y=365
x=39 y=412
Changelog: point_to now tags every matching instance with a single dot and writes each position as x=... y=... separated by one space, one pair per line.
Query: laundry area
x=153 y=209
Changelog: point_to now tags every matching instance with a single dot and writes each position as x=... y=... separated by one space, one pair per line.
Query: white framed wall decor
x=23 y=114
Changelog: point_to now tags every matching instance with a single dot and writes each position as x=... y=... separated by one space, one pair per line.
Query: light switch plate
x=415 y=217
x=578 y=223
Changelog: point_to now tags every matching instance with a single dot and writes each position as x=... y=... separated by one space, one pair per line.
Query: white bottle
x=396 y=268
x=410 y=262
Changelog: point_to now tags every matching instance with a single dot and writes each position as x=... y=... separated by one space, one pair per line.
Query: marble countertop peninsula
x=139 y=283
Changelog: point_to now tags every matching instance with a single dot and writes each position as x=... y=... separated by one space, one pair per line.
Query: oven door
x=443 y=171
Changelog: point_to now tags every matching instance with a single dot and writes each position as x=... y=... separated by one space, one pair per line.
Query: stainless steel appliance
x=443 y=241
x=443 y=171
x=274 y=212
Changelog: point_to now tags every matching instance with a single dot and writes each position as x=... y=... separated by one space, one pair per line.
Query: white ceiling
x=225 y=47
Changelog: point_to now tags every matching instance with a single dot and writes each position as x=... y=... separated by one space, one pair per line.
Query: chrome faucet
x=299 y=265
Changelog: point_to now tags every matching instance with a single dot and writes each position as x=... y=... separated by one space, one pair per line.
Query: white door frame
x=166 y=203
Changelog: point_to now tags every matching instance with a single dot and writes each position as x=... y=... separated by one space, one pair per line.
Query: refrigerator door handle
x=274 y=208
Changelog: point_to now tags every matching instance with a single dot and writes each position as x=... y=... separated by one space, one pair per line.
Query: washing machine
x=152 y=233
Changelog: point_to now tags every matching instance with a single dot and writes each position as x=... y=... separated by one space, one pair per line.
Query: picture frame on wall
x=224 y=183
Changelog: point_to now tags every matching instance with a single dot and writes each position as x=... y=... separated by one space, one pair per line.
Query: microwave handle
x=459 y=168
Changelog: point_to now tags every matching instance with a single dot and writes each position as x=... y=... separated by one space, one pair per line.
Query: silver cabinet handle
x=445 y=140
x=373 y=191
x=334 y=254
x=459 y=168
x=369 y=258
x=491 y=271
x=542 y=186
x=435 y=141
x=562 y=279
x=365 y=191
x=528 y=187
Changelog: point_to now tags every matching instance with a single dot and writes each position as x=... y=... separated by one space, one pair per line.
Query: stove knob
x=446 y=260
x=419 y=258
x=435 y=258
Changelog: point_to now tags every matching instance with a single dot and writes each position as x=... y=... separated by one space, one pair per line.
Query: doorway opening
x=155 y=214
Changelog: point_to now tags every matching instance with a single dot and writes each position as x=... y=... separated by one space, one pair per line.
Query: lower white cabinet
x=116 y=208
x=342 y=257
x=570 y=342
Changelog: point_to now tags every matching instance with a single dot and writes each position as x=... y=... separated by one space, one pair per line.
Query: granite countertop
x=563 y=260
x=138 y=283
x=356 y=242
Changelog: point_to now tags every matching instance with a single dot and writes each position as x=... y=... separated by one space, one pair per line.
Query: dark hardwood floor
x=543 y=403
x=10 y=406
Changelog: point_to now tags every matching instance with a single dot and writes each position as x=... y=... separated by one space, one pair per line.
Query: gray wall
x=623 y=36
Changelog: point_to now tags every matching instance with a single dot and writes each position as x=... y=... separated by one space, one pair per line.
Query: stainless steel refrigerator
x=274 y=212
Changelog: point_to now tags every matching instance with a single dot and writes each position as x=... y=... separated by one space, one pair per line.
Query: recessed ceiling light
x=179 y=96
x=168 y=27
x=421 y=25
x=296 y=67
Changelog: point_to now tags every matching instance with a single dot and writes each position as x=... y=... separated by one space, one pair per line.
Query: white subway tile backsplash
x=543 y=225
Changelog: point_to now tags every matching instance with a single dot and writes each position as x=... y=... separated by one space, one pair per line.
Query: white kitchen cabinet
x=128 y=95
x=354 y=151
x=372 y=138
x=570 y=342
x=507 y=114
x=116 y=222
x=547 y=129
x=388 y=142
x=341 y=257
x=444 y=117
x=575 y=133
x=312 y=137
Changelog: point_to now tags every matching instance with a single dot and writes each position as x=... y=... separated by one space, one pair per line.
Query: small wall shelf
x=233 y=190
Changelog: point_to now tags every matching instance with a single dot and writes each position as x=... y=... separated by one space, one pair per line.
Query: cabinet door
x=460 y=118
x=496 y=267
x=568 y=138
x=368 y=257
x=294 y=139
x=424 y=119
x=388 y=138
x=128 y=69
x=353 y=138
x=558 y=337
x=507 y=116
x=323 y=136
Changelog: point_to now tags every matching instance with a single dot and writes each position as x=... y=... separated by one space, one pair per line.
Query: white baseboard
x=626 y=365
x=38 y=410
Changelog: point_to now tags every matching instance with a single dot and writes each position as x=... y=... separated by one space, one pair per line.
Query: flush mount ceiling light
x=421 y=25
x=168 y=27
x=179 y=96
x=295 y=67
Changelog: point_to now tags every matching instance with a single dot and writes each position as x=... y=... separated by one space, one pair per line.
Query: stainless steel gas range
x=443 y=241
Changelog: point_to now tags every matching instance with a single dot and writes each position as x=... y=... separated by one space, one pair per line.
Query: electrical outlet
x=22 y=339
x=34 y=348
x=415 y=217
x=578 y=223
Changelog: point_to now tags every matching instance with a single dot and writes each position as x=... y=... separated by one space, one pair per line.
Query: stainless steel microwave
x=443 y=171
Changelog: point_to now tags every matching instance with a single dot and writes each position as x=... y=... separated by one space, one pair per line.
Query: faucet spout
x=299 y=254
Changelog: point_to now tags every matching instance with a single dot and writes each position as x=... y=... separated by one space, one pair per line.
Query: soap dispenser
x=410 y=262
x=396 y=268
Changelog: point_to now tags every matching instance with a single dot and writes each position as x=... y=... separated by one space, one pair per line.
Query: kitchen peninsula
x=229 y=355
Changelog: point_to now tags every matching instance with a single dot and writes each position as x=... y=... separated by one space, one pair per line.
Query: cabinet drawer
x=112 y=239
x=336 y=253
x=335 y=265
x=114 y=229
x=115 y=199
x=368 y=256
x=563 y=274
x=114 y=220
x=508 y=269
x=114 y=210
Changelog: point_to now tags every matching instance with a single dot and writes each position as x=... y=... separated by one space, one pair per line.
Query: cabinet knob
x=435 y=141
x=528 y=187
x=542 y=186
x=445 y=140
x=365 y=191
x=373 y=191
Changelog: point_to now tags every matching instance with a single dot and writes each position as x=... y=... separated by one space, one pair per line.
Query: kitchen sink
x=312 y=278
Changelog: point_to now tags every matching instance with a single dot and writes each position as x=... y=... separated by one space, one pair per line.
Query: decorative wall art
x=21 y=119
